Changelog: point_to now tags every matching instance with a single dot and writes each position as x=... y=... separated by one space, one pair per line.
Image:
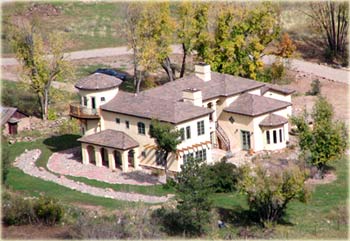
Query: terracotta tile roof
x=98 y=81
x=276 y=88
x=273 y=120
x=145 y=106
x=219 y=85
x=6 y=114
x=111 y=138
x=255 y=105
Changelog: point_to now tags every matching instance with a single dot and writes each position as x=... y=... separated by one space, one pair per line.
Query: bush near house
x=224 y=176
x=270 y=191
x=326 y=141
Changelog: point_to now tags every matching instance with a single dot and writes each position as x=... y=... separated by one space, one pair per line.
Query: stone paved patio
x=26 y=162
x=68 y=162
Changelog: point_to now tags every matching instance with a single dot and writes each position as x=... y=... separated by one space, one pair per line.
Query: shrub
x=192 y=193
x=224 y=176
x=52 y=115
x=170 y=184
x=17 y=211
x=315 y=88
x=48 y=210
x=270 y=191
x=326 y=141
x=69 y=127
x=90 y=226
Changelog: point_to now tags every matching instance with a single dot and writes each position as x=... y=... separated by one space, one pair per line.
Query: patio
x=69 y=162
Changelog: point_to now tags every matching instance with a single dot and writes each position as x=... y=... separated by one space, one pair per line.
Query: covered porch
x=110 y=148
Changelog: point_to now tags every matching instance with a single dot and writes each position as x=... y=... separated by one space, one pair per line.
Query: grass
x=155 y=190
x=323 y=216
x=86 y=25
x=19 y=181
x=19 y=94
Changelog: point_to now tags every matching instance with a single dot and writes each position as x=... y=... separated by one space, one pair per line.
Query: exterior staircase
x=221 y=134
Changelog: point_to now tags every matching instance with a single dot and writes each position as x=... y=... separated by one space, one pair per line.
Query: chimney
x=192 y=95
x=202 y=71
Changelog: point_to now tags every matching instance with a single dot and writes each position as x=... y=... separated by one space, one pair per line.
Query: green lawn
x=19 y=181
x=155 y=190
x=86 y=25
x=324 y=216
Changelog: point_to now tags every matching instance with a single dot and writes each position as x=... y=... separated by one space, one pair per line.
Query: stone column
x=137 y=159
x=125 y=164
x=111 y=160
x=98 y=157
x=85 y=154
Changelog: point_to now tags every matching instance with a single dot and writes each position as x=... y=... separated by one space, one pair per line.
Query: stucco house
x=212 y=110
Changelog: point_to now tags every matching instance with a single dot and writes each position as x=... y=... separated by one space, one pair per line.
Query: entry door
x=93 y=103
x=245 y=136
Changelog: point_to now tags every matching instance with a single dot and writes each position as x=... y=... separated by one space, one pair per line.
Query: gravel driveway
x=340 y=75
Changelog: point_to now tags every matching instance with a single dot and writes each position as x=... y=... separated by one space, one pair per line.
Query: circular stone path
x=68 y=162
x=26 y=162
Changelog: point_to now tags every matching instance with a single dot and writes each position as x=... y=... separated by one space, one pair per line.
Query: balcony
x=79 y=111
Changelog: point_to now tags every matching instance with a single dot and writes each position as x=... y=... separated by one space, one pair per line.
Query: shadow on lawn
x=59 y=143
x=142 y=177
x=240 y=217
x=247 y=223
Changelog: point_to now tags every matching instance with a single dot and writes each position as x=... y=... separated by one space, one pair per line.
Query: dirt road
x=322 y=71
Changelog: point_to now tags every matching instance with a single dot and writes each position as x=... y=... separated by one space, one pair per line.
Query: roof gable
x=154 y=108
x=111 y=138
x=255 y=105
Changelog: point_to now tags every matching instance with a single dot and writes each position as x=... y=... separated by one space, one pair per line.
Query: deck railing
x=77 y=110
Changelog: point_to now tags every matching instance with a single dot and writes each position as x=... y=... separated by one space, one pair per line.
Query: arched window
x=141 y=128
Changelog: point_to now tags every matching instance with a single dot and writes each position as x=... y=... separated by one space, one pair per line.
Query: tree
x=148 y=29
x=192 y=191
x=41 y=64
x=326 y=141
x=156 y=26
x=132 y=19
x=285 y=47
x=270 y=191
x=332 y=19
x=240 y=38
x=166 y=138
x=191 y=28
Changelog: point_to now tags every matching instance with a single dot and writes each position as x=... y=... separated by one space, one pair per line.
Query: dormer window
x=103 y=99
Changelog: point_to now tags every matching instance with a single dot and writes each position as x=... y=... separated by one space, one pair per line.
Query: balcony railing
x=77 y=110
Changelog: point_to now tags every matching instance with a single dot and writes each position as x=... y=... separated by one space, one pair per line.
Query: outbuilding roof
x=273 y=120
x=6 y=114
x=145 y=106
x=98 y=81
x=255 y=105
x=111 y=138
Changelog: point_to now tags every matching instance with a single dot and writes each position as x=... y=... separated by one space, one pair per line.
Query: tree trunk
x=166 y=165
x=166 y=64
x=139 y=82
x=46 y=104
x=183 y=65
x=135 y=63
